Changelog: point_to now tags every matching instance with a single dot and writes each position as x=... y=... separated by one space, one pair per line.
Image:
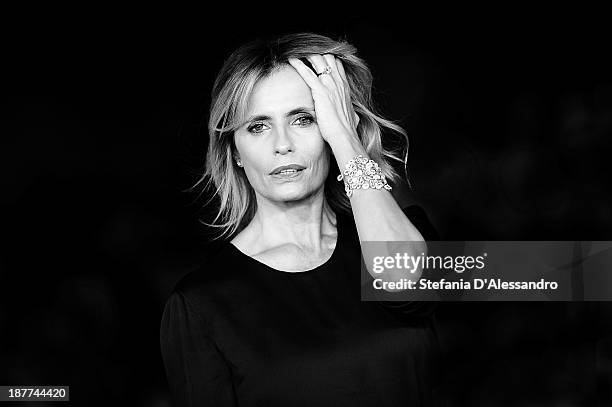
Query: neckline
x=330 y=260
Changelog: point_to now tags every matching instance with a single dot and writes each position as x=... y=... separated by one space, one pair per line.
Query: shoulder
x=223 y=283
x=219 y=267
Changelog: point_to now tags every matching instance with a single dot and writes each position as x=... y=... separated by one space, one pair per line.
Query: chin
x=292 y=195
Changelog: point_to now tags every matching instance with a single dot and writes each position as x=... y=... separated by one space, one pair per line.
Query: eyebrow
x=290 y=113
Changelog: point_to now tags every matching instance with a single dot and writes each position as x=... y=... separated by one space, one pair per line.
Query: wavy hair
x=230 y=94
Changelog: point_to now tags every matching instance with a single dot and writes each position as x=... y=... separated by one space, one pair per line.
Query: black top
x=237 y=332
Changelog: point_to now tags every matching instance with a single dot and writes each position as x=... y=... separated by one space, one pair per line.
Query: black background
x=509 y=120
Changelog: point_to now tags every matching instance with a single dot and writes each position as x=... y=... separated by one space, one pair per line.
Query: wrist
x=345 y=148
x=360 y=172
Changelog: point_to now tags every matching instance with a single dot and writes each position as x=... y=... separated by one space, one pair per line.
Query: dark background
x=101 y=131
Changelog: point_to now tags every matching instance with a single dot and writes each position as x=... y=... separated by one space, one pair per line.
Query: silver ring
x=326 y=71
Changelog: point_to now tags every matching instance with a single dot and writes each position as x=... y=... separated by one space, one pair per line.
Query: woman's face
x=280 y=130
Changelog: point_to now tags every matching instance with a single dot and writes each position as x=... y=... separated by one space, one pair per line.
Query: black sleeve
x=411 y=309
x=197 y=373
x=421 y=221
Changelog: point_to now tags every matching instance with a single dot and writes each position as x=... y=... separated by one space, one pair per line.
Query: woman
x=274 y=318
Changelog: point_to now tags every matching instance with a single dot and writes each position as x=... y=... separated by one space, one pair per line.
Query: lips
x=295 y=167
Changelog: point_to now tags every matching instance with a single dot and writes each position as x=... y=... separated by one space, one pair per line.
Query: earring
x=239 y=163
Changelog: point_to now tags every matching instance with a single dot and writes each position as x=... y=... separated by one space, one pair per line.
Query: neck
x=302 y=223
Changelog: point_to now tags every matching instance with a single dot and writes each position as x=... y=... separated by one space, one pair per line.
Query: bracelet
x=362 y=173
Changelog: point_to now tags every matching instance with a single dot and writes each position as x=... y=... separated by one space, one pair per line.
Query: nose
x=282 y=142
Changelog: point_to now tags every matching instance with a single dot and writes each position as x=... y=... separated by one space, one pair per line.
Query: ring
x=326 y=71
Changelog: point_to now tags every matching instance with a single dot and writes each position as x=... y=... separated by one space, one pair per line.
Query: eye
x=256 y=128
x=305 y=120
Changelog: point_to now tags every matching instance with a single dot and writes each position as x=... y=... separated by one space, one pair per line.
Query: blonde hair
x=230 y=94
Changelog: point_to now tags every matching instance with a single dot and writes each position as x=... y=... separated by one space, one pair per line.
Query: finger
x=319 y=64
x=317 y=61
x=330 y=61
x=341 y=71
x=345 y=82
x=306 y=73
x=343 y=93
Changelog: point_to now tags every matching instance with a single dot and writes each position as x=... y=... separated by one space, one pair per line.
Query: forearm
x=377 y=215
